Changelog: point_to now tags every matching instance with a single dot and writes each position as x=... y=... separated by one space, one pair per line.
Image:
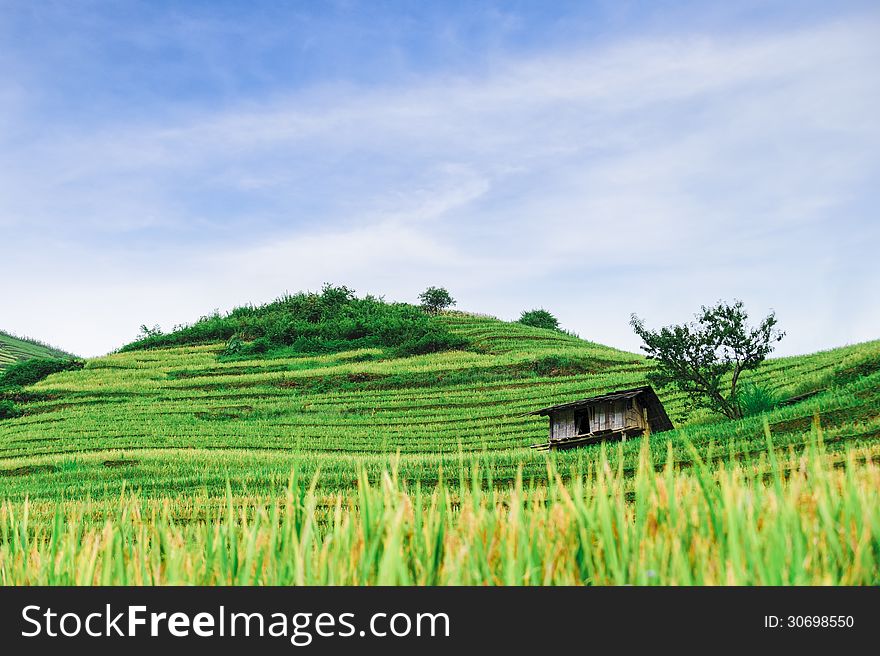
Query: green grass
x=308 y=322
x=15 y=349
x=188 y=430
x=778 y=521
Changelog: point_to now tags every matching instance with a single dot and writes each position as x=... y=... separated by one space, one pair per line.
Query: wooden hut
x=617 y=415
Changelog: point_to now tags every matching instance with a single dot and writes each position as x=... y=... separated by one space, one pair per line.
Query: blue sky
x=159 y=160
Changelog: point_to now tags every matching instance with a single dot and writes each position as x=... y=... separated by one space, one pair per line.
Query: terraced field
x=181 y=421
x=14 y=349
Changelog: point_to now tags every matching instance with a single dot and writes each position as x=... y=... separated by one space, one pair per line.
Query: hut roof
x=647 y=397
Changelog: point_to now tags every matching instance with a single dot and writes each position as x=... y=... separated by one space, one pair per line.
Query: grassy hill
x=198 y=431
x=181 y=418
x=15 y=349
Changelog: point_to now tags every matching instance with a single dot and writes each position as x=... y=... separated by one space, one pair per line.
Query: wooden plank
x=591 y=438
x=619 y=421
x=562 y=425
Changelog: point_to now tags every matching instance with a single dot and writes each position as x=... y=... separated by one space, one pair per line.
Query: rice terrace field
x=14 y=349
x=201 y=464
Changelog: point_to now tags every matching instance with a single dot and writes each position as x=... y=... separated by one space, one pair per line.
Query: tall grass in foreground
x=785 y=520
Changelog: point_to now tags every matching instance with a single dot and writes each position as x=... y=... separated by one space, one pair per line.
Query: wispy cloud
x=650 y=175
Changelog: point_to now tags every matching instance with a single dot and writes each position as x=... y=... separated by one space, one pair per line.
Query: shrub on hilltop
x=330 y=321
x=436 y=299
x=540 y=318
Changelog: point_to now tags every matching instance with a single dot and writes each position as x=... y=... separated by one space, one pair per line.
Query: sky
x=159 y=160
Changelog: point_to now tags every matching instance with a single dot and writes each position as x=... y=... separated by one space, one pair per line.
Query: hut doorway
x=582 y=422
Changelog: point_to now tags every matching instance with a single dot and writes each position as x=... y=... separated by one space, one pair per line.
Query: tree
x=147 y=332
x=336 y=295
x=435 y=299
x=539 y=319
x=697 y=357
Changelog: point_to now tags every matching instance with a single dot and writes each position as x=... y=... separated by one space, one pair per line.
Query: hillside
x=14 y=349
x=185 y=420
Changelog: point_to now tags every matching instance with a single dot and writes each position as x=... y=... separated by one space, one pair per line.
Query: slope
x=14 y=349
x=181 y=420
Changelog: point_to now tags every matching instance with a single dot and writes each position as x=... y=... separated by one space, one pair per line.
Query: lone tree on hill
x=697 y=357
x=435 y=299
x=539 y=319
x=147 y=332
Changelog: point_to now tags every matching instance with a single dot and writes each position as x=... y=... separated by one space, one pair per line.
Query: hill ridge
x=14 y=348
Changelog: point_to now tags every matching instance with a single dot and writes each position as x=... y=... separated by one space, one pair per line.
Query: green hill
x=187 y=459
x=14 y=349
x=185 y=419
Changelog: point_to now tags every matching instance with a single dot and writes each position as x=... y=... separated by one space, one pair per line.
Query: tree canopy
x=539 y=318
x=705 y=358
x=435 y=299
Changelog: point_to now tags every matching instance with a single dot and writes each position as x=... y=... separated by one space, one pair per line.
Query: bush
x=8 y=410
x=435 y=299
x=327 y=322
x=753 y=399
x=550 y=364
x=432 y=341
x=563 y=365
x=234 y=346
x=146 y=331
x=539 y=319
x=28 y=372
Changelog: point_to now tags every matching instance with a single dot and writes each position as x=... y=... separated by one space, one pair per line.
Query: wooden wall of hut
x=623 y=414
x=637 y=416
x=562 y=425
x=608 y=416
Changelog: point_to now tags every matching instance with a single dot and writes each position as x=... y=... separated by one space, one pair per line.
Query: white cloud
x=651 y=176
